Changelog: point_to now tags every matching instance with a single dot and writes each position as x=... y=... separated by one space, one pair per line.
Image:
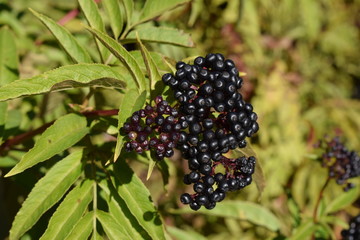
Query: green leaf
x=343 y=200
x=46 y=192
x=240 y=210
x=152 y=164
x=7 y=161
x=65 y=38
x=8 y=69
x=153 y=9
x=69 y=212
x=92 y=15
x=83 y=228
x=129 y=8
x=138 y=199
x=151 y=68
x=111 y=227
x=79 y=75
x=125 y=110
x=120 y=212
x=124 y=56
x=180 y=234
x=115 y=16
x=65 y=132
x=304 y=231
x=160 y=35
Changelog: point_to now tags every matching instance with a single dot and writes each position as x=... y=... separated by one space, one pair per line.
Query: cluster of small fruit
x=353 y=233
x=218 y=120
x=342 y=163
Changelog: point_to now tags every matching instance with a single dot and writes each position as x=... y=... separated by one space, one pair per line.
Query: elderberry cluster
x=342 y=163
x=153 y=128
x=353 y=233
x=217 y=120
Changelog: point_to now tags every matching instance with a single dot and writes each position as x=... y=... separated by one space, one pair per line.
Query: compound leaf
x=65 y=132
x=65 y=38
x=69 y=212
x=115 y=16
x=138 y=200
x=47 y=191
x=78 y=75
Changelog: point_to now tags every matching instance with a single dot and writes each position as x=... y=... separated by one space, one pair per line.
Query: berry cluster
x=217 y=120
x=342 y=163
x=153 y=128
x=353 y=232
x=210 y=119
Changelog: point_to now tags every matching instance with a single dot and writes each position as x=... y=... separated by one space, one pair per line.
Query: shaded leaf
x=343 y=200
x=115 y=16
x=120 y=212
x=111 y=227
x=65 y=132
x=79 y=75
x=92 y=15
x=248 y=211
x=161 y=35
x=46 y=193
x=138 y=199
x=132 y=102
x=65 y=38
x=152 y=164
x=123 y=55
x=70 y=211
x=153 y=9
x=83 y=227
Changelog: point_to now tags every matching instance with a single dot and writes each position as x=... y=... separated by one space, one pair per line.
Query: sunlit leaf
x=83 y=228
x=138 y=200
x=66 y=39
x=46 y=193
x=181 y=234
x=115 y=16
x=111 y=227
x=304 y=231
x=129 y=8
x=79 y=75
x=160 y=35
x=65 y=132
x=248 y=211
x=69 y=211
x=343 y=200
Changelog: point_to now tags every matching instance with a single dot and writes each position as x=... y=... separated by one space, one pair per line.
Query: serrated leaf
x=136 y=101
x=83 y=227
x=240 y=210
x=123 y=55
x=115 y=16
x=69 y=211
x=138 y=200
x=92 y=15
x=180 y=234
x=46 y=192
x=111 y=227
x=65 y=38
x=153 y=9
x=79 y=75
x=343 y=200
x=65 y=132
x=166 y=35
x=120 y=212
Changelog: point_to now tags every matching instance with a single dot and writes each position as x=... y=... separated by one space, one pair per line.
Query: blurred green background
x=301 y=59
